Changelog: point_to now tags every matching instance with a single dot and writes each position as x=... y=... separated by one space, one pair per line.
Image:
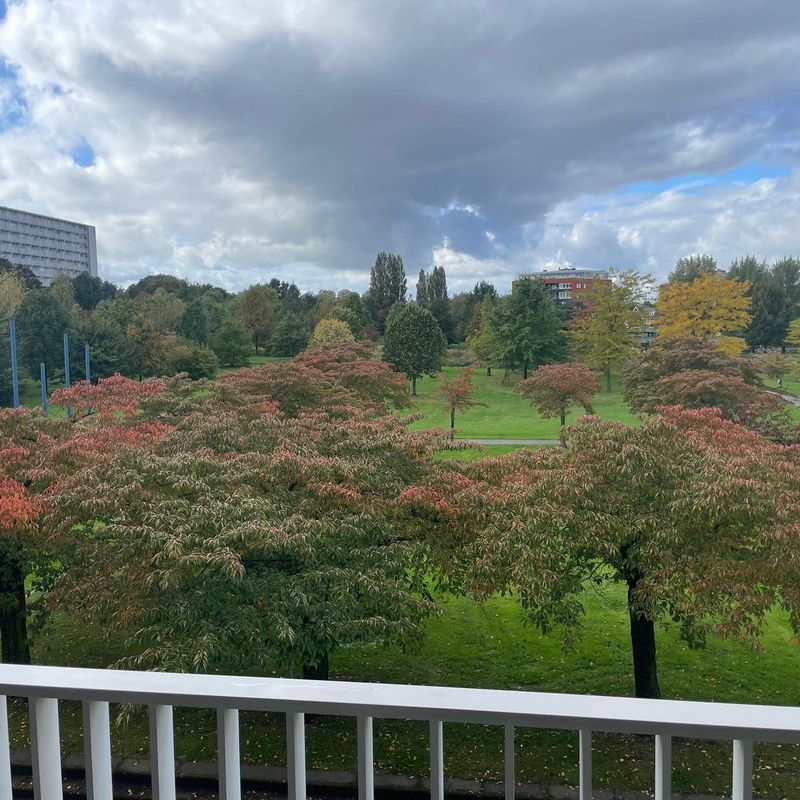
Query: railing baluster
x=742 y=769
x=585 y=765
x=508 y=779
x=228 y=760
x=663 y=767
x=5 y=750
x=162 y=753
x=437 y=760
x=97 y=750
x=45 y=749
x=296 y=756
x=366 y=779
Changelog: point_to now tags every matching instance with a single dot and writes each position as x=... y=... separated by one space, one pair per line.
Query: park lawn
x=506 y=414
x=490 y=646
x=484 y=451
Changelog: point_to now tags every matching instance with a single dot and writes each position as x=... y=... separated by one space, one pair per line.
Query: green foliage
x=387 y=286
x=192 y=358
x=247 y=536
x=350 y=318
x=41 y=322
x=25 y=274
x=692 y=267
x=194 y=324
x=257 y=309
x=528 y=327
x=90 y=290
x=607 y=332
x=414 y=343
x=232 y=343
x=290 y=337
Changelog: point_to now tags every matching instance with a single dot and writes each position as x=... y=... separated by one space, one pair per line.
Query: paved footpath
x=539 y=442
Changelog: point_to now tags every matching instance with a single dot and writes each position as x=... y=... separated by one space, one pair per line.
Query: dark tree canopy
x=529 y=329
x=414 y=343
x=691 y=267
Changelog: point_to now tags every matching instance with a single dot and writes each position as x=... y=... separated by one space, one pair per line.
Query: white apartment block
x=47 y=245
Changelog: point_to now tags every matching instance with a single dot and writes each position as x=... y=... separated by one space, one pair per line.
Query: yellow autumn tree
x=710 y=307
x=793 y=337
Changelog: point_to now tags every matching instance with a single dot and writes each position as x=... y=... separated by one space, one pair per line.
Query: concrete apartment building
x=568 y=283
x=47 y=245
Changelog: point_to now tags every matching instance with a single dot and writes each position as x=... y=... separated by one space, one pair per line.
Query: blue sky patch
x=83 y=154
x=746 y=173
x=2 y=9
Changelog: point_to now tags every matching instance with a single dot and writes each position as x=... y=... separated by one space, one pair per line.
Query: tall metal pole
x=87 y=368
x=43 y=380
x=67 y=376
x=12 y=330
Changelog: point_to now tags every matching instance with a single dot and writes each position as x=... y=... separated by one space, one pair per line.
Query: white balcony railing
x=663 y=719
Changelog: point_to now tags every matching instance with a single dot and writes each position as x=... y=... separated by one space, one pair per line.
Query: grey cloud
x=308 y=140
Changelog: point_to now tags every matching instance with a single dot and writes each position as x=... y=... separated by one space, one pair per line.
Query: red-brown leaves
x=116 y=394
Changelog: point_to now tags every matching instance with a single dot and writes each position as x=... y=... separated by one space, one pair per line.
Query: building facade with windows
x=47 y=245
x=569 y=283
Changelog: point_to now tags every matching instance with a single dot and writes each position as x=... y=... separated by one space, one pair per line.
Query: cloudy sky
x=236 y=141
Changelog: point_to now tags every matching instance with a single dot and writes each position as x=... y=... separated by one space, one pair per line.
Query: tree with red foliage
x=688 y=372
x=553 y=389
x=327 y=378
x=260 y=531
x=35 y=454
x=696 y=516
x=458 y=395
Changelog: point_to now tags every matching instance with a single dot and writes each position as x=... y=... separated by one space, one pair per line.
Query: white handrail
x=44 y=686
x=399 y=701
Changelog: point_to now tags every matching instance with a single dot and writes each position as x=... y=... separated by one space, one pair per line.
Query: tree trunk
x=563 y=432
x=13 y=612
x=319 y=671
x=452 y=424
x=525 y=369
x=488 y=372
x=414 y=387
x=608 y=380
x=643 y=645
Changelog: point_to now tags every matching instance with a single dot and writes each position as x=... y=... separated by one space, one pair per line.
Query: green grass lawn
x=490 y=646
x=506 y=414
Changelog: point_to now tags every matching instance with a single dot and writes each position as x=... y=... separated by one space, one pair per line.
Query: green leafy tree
x=257 y=309
x=164 y=309
x=194 y=324
x=41 y=322
x=290 y=337
x=90 y=290
x=414 y=343
x=387 y=285
x=147 y=349
x=693 y=515
x=232 y=343
x=528 y=327
x=190 y=357
x=689 y=268
x=483 y=341
x=423 y=294
x=607 y=331
x=25 y=274
x=350 y=318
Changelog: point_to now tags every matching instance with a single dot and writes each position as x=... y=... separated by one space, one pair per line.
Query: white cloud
x=234 y=142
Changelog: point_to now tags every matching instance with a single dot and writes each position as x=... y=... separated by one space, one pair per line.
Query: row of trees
x=287 y=511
